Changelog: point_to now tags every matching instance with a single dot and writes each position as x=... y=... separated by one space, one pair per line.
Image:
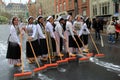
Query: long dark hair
x=14 y=19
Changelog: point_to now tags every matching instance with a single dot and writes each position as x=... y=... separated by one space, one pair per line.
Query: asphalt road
x=106 y=68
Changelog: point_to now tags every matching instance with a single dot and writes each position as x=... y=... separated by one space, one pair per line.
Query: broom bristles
x=40 y=68
x=89 y=54
x=84 y=59
x=62 y=61
x=71 y=58
x=22 y=74
x=99 y=55
x=51 y=65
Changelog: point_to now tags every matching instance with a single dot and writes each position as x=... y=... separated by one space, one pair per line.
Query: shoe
x=109 y=41
x=17 y=65
x=85 y=50
x=72 y=55
x=44 y=58
x=30 y=61
x=113 y=42
x=60 y=54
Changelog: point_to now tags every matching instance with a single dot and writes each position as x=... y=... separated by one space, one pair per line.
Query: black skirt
x=72 y=42
x=61 y=44
x=43 y=47
x=78 y=41
x=13 y=51
x=53 y=44
x=85 y=39
x=35 y=45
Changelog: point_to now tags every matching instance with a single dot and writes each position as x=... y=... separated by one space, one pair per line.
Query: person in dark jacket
x=97 y=27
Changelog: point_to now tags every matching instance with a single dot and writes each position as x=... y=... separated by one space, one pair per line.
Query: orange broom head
x=40 y=68
x=71 y=58
x=23 y=74
x=62 y=61
x=89 y=54
x=84 y=58
x=51 y=65
x=99 y=55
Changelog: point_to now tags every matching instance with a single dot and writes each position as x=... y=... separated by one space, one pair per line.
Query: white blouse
x=13 y=35
x=49 y=28
x=69 y=28
x=59 y=30
x=84 y=30
x=77 y=26
x=40 y=32
x=31 y=30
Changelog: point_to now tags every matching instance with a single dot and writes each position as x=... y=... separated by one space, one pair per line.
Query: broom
x=61 y=59
x=39 y=69
x=102 y=44
x=86 y=50
x=22 y=75
x=51 y=65
x=98 y=53
x=84 y=58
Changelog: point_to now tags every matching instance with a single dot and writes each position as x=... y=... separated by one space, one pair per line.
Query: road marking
x=109 y=66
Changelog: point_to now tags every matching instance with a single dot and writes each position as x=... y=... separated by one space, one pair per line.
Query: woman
x=77 y=27
x=13 y=51
x=32 y=37
x=70 y=34
x=59 y=35
x=84 y=32
x=42 y=38
x=51 y=36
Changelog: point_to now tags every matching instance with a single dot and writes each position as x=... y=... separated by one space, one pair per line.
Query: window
x=84 y=12
x=57 y=9
x=105 y=8
x=70 y=4
x=60 y=7
x=64 y=5
x=94 y=10
x=83 y=1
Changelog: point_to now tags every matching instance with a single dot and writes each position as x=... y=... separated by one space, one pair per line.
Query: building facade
x=2 y=6
x=103 y=8
x=72 y=7
x=16 y=9
x=45 y=7
x=31 y=9
x=84 y=7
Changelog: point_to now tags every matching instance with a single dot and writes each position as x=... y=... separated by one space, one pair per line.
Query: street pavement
x=106 y=68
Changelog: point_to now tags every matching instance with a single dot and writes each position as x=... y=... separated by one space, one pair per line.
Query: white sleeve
x=70 y=29
x=14 y=36
x=51 y=31
x=60 y=32
x=81 y=31
x=40 y=31
x=49 y=28
x=34 y=31
x=87 y=29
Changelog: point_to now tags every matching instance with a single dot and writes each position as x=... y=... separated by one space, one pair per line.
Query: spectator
x=111 y=32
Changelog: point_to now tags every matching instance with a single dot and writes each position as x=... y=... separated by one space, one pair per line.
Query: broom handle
x=34 y=53
x=59 y=49
x=22 y=59
x=81 y=41
x=48 y=47
x=94 y=43
x=77 y=45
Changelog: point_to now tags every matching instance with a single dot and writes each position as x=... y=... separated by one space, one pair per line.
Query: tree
x=5 y=14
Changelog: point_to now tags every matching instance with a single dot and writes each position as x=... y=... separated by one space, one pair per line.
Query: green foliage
x=3 y=19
